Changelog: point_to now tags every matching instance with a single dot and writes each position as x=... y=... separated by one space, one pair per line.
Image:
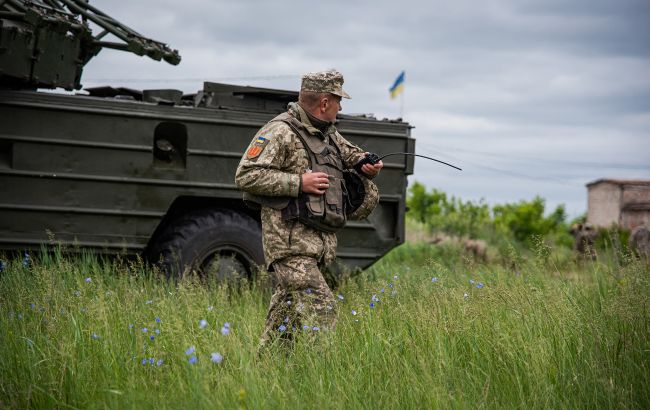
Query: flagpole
x=401 y=107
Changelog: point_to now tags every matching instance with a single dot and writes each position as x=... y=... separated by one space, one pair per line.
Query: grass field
x=446 y=332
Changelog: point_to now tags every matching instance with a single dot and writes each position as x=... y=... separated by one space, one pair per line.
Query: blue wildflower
x=395 y=277
x=88 y=280
x=289 y=302
x=354 y=312
x=94 y=336
x=434 y=279
x=32 y=306
x=286 y=319
x=315 y=328
x=216 y=357
x=226 y=325
x=282 y=328
x=479 y=285
x=340 y=297
x=26 y=260
x=144 y=361
x=308 y=290
x=305 y=327
x=374 y=298
x=130 y=327
x=157 y=319
x=372 y=305
x=382 y=290
x=157 y=331
x=390 y=285
x=471 y=281
x=159 y=362
x=152 y=360
x=2 y=266
x=225 y=331
x=152 y=337
x=203 y=323
x=145 y=330
x=190 y=350
x=192 y=360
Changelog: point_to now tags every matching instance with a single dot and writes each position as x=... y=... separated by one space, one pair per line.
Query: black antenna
x=417 y=155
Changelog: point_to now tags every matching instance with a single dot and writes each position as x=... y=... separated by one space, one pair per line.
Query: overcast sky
x=528 y=97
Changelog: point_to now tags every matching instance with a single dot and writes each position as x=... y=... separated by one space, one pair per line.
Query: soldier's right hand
x=315 y=183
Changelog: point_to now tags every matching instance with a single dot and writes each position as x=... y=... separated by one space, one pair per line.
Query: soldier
x=296 y=169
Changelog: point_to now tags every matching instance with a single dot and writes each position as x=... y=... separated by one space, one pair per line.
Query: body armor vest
x=325 y=212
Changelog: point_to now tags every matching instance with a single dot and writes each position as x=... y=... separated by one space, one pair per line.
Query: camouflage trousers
x=302 y=303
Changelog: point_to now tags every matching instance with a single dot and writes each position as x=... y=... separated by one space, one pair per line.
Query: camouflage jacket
x=276 y=170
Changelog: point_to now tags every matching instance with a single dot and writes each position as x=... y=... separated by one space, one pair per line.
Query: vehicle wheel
x=217 y=244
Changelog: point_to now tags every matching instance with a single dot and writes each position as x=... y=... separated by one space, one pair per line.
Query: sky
x=529 y=97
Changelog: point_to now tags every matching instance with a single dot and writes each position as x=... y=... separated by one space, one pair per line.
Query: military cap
x=330 y=81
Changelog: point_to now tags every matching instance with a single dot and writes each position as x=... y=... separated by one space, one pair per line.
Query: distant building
x=623 y=202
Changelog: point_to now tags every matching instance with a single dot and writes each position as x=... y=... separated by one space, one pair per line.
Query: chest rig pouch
x=323 y=212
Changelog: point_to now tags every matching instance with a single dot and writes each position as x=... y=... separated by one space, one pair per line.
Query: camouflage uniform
x=296 y=252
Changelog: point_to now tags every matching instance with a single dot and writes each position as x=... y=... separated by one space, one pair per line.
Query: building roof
x=644 y=182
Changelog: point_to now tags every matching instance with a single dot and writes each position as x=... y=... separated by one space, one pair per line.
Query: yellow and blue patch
x=258 y=146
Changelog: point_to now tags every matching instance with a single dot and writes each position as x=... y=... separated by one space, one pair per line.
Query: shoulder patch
x=257 y=147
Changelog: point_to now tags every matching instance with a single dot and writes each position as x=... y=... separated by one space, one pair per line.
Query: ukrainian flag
x=398 y=86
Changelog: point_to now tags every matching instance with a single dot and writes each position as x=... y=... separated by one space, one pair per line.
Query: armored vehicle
x=148 y=172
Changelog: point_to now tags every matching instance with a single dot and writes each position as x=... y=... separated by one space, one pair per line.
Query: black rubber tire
x=194 y=242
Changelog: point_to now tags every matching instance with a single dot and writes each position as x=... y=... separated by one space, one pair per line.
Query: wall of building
x=604 y=204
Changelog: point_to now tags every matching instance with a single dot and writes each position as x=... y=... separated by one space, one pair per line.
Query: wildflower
x=203 y=323
x=148 y=302
x=305 y=327
x=329 y=307
x=289 y=302
x=145 y=330
x=130 y=326
x=308 y=290
x=192 y=360
x=282 y=328
x=157 y=331
x=286 y=319
x=210 y=308
x=372 y=305
x=471 y=281
x=225 y=331
x=395 y=277
x=2 y=266
x=88 y=280
x=434 y=280
x=479 y=285
x=152 y=360
x=32 y=306
x=144 y=361
x=94 y=336
x=26 y=260
x=226 y=325
x=189 y=351
x=375 y=298
x=216 y=357
x=159 y=362
x=157 y=319
x=315 y=328
x=390 y=285
x=354 y=312
x=151 y=337
x=465 y=295
x=340 y=297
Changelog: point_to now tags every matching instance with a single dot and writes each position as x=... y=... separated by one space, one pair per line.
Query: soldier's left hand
x=372 y=170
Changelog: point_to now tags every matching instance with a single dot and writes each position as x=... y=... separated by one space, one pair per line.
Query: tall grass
x=446 y=332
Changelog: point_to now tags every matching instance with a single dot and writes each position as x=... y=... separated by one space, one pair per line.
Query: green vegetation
x=523 y=222
x=447 y=332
